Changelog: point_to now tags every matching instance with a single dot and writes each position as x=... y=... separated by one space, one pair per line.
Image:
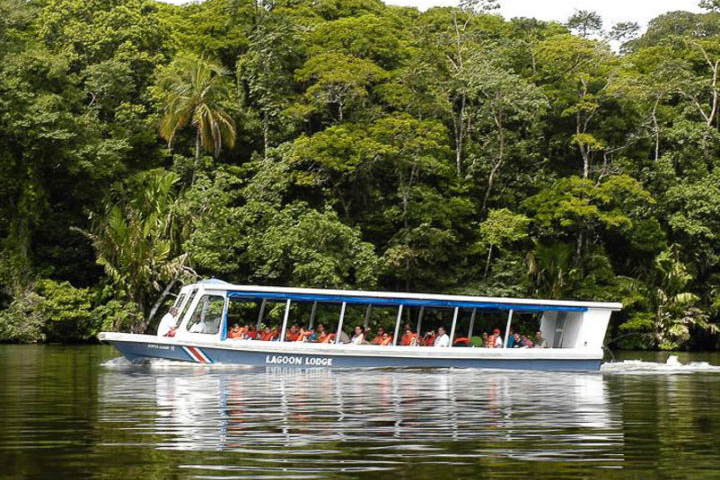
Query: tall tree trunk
x=197 y=155
x=487 y=262
x=584 y=151
x=499 y=161
x=266 y=134
x=459 y=135
x=579 y=245
x=656 y=129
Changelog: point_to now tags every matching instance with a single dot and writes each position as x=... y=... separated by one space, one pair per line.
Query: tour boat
x=573 y=331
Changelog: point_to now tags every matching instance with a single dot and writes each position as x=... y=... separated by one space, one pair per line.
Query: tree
x=339 y=80
x=137 y=238
x=193 y=90
x=578 y=207
x=510 y=102
x=585 y=23
x=502 y=227
x=624 y=31
x=265 y=71
x=670 y=312
x=577 y=74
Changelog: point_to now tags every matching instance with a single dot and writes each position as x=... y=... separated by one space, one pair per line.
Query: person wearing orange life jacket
x=292 y=334
x=429 y=339
x=266 y=334
x=379 y=337
x=409 y=338
x=322 y=336
x=235 y=332
x=386 y=340
x=304 y=335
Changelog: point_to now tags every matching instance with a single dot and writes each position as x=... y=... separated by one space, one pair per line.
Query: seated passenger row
x=364 y=336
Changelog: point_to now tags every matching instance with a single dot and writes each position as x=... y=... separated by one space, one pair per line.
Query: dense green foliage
x=346 y=143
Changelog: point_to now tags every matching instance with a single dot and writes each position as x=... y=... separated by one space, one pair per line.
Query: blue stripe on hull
x=136 y=351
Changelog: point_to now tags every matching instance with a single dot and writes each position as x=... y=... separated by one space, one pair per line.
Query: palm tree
x=193 y=90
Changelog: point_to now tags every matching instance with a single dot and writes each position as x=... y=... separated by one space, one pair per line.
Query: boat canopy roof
x=406 y=299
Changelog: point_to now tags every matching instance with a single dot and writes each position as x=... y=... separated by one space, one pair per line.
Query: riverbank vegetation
x=351 y=144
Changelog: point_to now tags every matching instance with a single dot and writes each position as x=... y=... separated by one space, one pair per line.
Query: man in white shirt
x=199 y=326
x=442 y=339
x=167 y=322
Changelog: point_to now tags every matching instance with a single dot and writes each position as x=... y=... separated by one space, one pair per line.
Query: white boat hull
x=138 y=348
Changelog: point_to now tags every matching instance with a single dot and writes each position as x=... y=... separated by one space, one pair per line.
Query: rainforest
x=354 y=144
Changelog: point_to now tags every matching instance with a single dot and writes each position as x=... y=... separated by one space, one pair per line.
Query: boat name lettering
x=154 y=346
x=298 y=360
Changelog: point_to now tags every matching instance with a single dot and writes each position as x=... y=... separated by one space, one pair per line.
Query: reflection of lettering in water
x=298 y=360
x=288 y=407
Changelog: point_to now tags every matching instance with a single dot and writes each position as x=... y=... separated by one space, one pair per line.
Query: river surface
x=81 y=412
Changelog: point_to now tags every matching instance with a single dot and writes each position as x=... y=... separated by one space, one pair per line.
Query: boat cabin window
x=207 y=316
x=179 y=300
x=186 y=306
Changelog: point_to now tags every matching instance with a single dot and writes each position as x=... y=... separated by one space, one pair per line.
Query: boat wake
x=672 y=366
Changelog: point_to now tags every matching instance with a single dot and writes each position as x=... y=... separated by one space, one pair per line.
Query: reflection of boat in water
x=408 y=412
x=573 y=331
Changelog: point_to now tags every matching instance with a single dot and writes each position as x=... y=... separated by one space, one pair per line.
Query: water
x=79 y=412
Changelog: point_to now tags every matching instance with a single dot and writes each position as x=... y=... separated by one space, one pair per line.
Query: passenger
x=359 y=336
x=304 y=335
x=292 y=334
x=516 y=341
x=442 y=339
x=511 y=339
x=525 y=342
x=429 y=339
x=386 y=339
x=267 y=334
x=409 y=339
x=486 y=340
x=323 y=336
x=498 y=342
x=235 y=332
x=379 y=337
x=540 y=342
x=244 y=332
x=167 y=322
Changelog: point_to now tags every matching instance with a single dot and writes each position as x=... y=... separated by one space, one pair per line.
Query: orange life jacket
x=303 y=335
x=326 y=338
x=407 y=340
x=386 y=342
x=462 y=341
